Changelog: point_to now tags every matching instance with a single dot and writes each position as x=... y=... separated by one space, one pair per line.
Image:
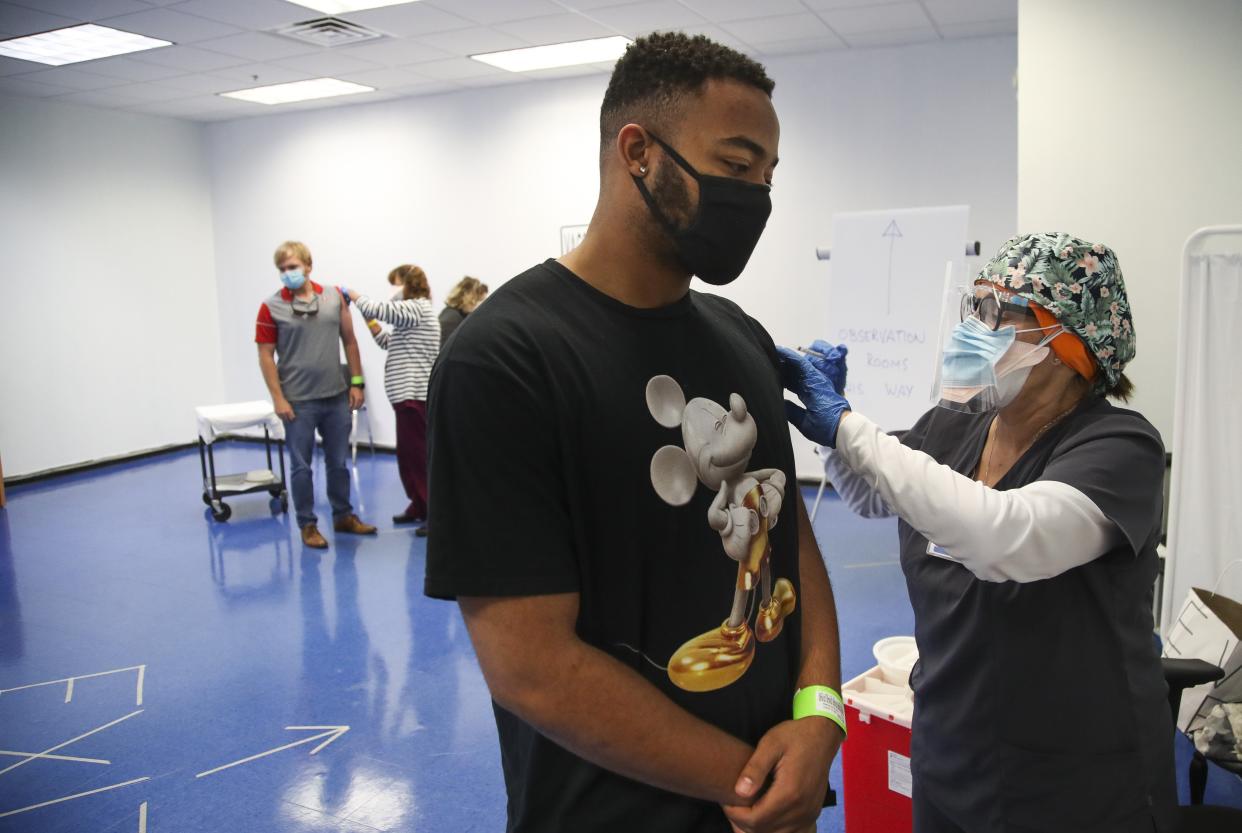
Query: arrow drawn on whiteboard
x=331 y=733
x=892 y=232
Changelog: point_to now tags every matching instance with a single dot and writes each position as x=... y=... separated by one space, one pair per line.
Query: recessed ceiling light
x=593 y=51
x=76 y=44
x=298 y=91
x=343 y=6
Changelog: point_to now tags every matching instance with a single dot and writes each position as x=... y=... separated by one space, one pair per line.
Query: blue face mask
x=968 y=366
x=293 y=279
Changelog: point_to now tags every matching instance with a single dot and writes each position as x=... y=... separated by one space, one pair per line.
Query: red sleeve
x=264 y=327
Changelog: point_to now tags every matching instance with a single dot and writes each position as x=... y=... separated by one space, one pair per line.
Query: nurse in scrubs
x=1029 y=509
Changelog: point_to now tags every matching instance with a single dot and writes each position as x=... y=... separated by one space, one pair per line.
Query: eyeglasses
x=989 y=304
x=301 y=307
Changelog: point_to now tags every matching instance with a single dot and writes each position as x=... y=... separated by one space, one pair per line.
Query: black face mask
x=726 y=227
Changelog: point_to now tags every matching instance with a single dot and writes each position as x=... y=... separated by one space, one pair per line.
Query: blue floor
x=208 y=640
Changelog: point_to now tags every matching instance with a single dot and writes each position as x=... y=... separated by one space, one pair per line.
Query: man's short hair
x=656 y=71
x=292 y=248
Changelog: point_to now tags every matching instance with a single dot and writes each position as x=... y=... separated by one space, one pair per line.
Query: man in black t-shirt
x=614 y=506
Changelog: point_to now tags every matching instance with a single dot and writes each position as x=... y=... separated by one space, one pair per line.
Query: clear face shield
x=983 y=364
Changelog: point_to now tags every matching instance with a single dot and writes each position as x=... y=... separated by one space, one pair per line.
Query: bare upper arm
x=267 y=350
x=518 y=639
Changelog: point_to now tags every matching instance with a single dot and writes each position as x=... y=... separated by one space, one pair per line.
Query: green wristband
x=819 y=701
x=355 y=380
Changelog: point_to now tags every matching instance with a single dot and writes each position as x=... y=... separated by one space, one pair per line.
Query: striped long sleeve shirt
x=412 y=344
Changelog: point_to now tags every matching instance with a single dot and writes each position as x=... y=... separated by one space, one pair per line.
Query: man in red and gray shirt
x=304 y=325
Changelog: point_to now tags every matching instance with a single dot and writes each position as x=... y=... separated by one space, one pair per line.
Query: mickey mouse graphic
x=718 y=444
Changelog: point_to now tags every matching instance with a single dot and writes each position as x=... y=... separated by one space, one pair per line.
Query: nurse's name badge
x=940 y=552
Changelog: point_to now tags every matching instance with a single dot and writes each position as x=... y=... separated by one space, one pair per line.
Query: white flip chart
x=886 y=299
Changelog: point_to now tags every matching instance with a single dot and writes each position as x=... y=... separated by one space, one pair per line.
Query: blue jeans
x=331 y=417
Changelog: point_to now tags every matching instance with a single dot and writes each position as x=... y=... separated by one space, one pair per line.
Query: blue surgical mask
x=968 y=379
x=293 y=279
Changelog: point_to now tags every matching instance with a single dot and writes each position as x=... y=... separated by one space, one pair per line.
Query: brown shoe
x=312 y=538
x=350 y=523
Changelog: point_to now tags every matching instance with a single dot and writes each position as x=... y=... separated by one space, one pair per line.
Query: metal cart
x=216 y=421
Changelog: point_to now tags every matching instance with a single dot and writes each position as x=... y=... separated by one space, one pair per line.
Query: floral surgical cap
x=1078 y=282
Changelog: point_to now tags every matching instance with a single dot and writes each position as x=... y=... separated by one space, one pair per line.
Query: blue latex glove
x=344 y=294
x=832 y=364
x=819 y=420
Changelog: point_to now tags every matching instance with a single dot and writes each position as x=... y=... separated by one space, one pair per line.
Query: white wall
x=1130 y=126
x=109 y=315
x=479 y=183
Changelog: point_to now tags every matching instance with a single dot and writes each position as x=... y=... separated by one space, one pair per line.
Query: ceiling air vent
x=328 y=31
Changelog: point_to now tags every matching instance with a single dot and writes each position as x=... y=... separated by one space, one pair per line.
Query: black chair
x=1182 y=674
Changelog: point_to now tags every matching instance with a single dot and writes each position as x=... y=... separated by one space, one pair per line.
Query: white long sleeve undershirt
x=1027 y=534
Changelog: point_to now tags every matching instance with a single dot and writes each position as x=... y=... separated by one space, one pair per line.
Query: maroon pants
x=412 y=453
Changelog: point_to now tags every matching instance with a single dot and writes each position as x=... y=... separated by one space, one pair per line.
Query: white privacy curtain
x=1205 y=511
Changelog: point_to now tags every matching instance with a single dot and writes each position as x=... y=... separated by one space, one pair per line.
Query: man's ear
x=634 y=149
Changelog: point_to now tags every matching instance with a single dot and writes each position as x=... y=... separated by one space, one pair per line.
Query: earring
x=642 y=169
x=1056 y=359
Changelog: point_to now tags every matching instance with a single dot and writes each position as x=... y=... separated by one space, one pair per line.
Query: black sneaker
x=421 y=532
x=407 y=518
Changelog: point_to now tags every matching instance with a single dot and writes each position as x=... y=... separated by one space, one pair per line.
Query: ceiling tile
x=19 y=20
x=640 y=18
x=258 y=46
x=455 y=69
x=717 y=34
x=202 y=105
x=408 y=21
x=563 y=72
x=395 y=52
x=473 y=41
x=190 y=59
x=99 y=98
x=726 y=10
x=248 y=14
x=972 y=11
x=200 y=84
x=20 y=85
x=555 y=29
x=771 y=29
x=893 y=38
x=891 y=18
x=91 y=10
x=326 y=62
x=978 y=30
x=488 y=12
x=385 y=79
x=171 y=25
x=74 y=79
x=16 y=66
x=130 y=69
x=801 y=46
x=151 y=91
x=257 y=75
x=820 y=5
x=506 y=80
x=591 y=5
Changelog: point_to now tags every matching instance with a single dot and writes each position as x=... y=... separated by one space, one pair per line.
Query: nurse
x=1029 y=512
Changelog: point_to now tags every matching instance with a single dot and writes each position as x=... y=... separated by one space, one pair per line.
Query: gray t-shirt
x=308 y=344
x=1042 y=706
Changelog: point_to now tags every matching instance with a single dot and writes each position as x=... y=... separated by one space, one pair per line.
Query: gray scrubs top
x=1042 y=706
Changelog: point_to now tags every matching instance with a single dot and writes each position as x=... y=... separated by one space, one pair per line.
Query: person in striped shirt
x=412 y=344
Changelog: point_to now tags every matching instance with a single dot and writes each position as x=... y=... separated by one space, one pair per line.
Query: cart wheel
x=223 y=513
x=284 y=501
x=206 y=498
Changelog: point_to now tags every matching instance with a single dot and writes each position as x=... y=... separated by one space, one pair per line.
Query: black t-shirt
x=1042 y=706
x=543 y=441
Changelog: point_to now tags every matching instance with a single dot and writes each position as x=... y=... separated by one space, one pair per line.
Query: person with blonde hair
x=412 y=344
x=305 y=327
x=461 y=301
